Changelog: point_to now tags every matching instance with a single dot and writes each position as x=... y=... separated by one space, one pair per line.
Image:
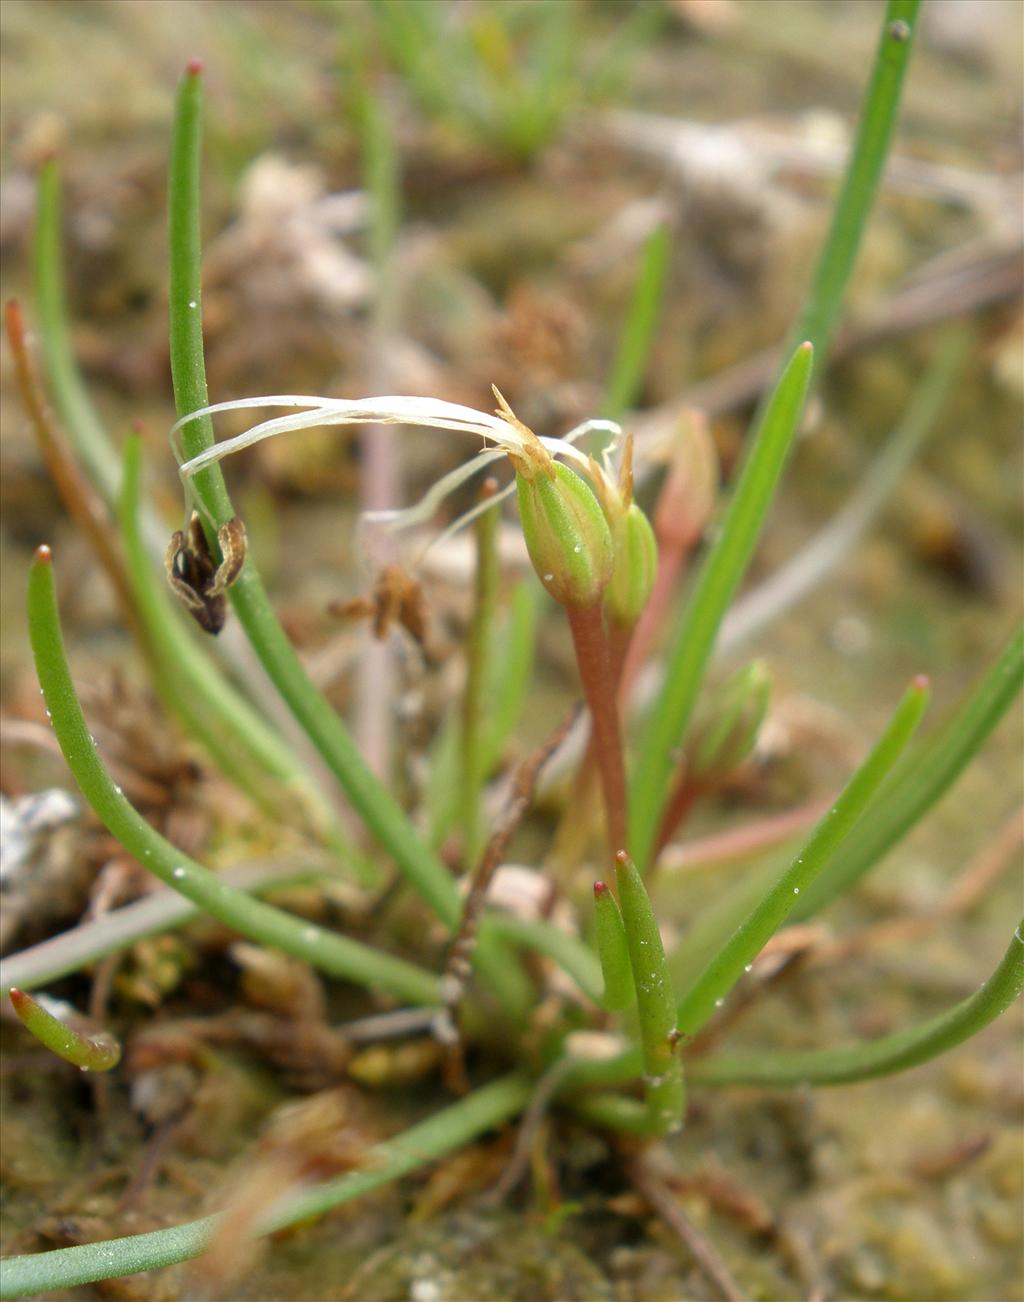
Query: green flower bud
x=636 y=566
x=728 y=724
x=566 y=533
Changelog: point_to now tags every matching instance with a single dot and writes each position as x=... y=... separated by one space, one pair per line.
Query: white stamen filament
x=394 y=410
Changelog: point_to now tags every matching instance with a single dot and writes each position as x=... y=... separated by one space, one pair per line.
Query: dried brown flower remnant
x=195 y=577
x=397 y=598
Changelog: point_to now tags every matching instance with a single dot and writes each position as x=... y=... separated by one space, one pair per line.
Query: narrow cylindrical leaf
x=376 y=806
x=327 y=950
x=820 y=315
x=920 y=784
x=91 y=1051
x=881 y=1057
x=726 y=968
x=663 y=1072
x=613 y=950
x=722 y=571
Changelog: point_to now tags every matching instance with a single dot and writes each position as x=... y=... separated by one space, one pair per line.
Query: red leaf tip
x=622 y=857
x=18 y=997
x=43 y=554
x=600 y=888
x=920 y=682
x=194 y=67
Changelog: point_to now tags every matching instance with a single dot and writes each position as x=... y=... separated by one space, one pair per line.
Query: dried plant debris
x=43 y=876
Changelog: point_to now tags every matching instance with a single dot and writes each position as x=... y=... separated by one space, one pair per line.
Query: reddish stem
x=76 y=492
x=594 y=661
x=741 y=843
x=683 y=799
x=619 y=639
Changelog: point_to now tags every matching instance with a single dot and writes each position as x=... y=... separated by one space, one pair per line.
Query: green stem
x=882 y=1057
x=331 y=953
x=726 y=968
x=413 y=1148
x=378 y=809
x=820 y=315
x=719 y=577
x=924 y=779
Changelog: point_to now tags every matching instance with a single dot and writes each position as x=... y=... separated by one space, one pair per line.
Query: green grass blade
x=374 y=803
x=726 y=968
x=83 y=427
x=449 y=1129
x=511 y=669
x=835 y=542
x=923 y=779
x=715 y=923
x=882 y=1057
x=331 y=953
x=640 y=326
x=820 y=315
x=719 y=577
x=509 y=676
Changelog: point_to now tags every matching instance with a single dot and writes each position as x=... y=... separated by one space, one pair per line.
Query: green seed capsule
x=636 y=566
x=566 y=534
